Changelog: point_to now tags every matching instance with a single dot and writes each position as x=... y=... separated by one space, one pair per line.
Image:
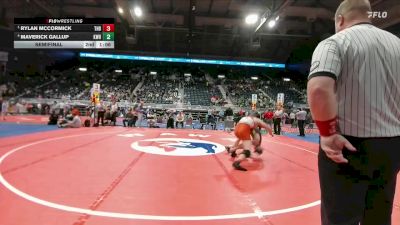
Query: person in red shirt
x=242 y=112
x=268 y=117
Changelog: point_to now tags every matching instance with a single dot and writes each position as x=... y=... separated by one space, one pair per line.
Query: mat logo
x=177 y=147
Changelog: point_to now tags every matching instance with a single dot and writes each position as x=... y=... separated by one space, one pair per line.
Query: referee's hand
x=333 y=146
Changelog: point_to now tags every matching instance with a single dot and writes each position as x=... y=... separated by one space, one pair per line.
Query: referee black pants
x=100 y=116
x=277 y=126
x=301 y=127
x=362 y=190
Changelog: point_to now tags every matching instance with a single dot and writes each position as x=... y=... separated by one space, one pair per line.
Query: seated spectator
x=108 y=116
x=189 y=121
x=229 y=114
x=128 y=119
x=180 y=119
x=170 y=121
x=114 y=112
x=134 y=117
x=212 y=121
x=4 y=109
x=160 y=119
x=237 y=117
x=53 y=119
x=221 y=115
x=151 y=119
x=74 y=123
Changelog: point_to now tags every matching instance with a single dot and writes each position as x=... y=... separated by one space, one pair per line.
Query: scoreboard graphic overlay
x=73 y=33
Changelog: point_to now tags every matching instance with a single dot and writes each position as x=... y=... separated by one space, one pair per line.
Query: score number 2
x=108 y=36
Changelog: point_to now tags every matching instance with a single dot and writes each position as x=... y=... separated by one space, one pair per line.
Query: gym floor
x=118 y=176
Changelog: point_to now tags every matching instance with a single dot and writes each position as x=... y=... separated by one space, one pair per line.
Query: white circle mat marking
x=130 y=215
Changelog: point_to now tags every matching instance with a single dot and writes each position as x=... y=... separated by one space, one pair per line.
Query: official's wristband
x=327 y=128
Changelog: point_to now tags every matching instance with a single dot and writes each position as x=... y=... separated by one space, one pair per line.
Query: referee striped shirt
x=365 y=62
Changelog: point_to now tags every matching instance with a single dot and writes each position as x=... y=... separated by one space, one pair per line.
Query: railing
x=127 y=104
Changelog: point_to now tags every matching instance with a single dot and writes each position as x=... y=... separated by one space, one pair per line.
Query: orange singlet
x=243 y=128
x=243 y=131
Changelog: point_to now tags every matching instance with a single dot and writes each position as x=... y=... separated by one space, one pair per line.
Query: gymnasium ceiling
x=204 y=28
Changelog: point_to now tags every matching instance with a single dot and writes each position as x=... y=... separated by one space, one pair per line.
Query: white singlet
x=248 y=120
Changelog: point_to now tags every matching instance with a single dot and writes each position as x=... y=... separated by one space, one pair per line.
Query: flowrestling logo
x=377 y=14
x=177 y=147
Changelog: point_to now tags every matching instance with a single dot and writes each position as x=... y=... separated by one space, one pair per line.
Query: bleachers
x=199 y=92
x=240 y=92
x=290 y=94
x=71 y=84
x=159 y=90
x=120 y=86
x=23 y=84
x=165 y=88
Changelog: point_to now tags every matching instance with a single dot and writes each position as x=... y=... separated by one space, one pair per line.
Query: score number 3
x=108 y=27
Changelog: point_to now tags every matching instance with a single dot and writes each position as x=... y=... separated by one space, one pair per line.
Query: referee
x=278 y=114
x=354 y=94
x=301 y=119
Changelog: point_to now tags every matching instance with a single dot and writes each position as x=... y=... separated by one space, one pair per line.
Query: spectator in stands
x=301 y=118
x=114 y=112
x=66 y=107
x=53 y=107
x=160 y=118
x=170 y=121
x=309 y=118
x=74 y=123
x=46 y=109
x=229 y=114
x=292 y=118
x=180 y=118
x=212 y=121
x=269 y=116
x=4 y=108
x=19 y=108
x=53 y=119
x=151 y=119
x=189 y=120
x=29 y=107
x=215 y=114
x=128 y=120
x=284 y=118
x=242 y=113
x=134 y=117
x=39 y=108
x=278 y=114
x=139 y=110
x=236 y=118
x=209 y=112
x=220 y=115
x=107 y=115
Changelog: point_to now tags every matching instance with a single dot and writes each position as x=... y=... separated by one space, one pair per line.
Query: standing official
x=301 y=119
x=278 y=114
x=101 y=111
x=354 y=94
x=292 y=116
x=4 y=108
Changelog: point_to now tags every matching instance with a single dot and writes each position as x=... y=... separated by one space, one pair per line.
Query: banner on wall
x=254 y=101
x=95 y=95
x=280 y=99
